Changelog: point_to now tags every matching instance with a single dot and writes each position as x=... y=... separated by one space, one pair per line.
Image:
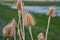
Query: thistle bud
x=51 y=12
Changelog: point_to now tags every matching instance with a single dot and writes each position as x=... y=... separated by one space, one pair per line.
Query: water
x=37 y=9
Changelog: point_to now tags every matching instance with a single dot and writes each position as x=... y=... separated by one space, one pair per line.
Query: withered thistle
x=9 y=30
x=29 y=21
x=19 y=6
x=51 y=13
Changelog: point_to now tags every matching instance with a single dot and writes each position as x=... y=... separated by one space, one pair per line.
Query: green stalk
x=23 y=26
x=14 y=34
x=30 y=32
x=23 y=33
x=47 y=27
x=7 y=38
x=19 y=25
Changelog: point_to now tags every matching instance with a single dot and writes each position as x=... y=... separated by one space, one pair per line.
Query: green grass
x=6 y=15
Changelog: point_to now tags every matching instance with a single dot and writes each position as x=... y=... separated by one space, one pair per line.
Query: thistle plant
x=19 y=6
x=29 y=22
x=51 y=13
x=9 y=30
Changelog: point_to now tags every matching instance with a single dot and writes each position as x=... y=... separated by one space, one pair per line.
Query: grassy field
x=6 y=15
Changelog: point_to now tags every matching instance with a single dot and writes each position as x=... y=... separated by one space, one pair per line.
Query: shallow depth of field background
x=39 y=10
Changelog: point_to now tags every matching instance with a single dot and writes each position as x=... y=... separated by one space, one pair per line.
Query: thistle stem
x=23 y=26
x=23 y=23
x=47 y=27
x=7 y=38
x=14 y=34
x=19 y=25
x=30 y=33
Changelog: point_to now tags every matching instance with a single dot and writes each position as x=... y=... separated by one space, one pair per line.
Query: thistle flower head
x=40 y=36
x=8 y=30
x=29 y=21
x=19 y=4
x=51 y=12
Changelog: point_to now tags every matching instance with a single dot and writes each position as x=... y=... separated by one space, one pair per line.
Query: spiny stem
x=47 y=27
x=30 y=33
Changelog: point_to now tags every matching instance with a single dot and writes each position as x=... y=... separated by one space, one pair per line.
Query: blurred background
x=39 y=9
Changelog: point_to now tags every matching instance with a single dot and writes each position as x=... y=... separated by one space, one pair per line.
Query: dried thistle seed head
x=51 y=12
x=40 y=36
x=19 y=4
x=8 y=30
x=29 y=21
